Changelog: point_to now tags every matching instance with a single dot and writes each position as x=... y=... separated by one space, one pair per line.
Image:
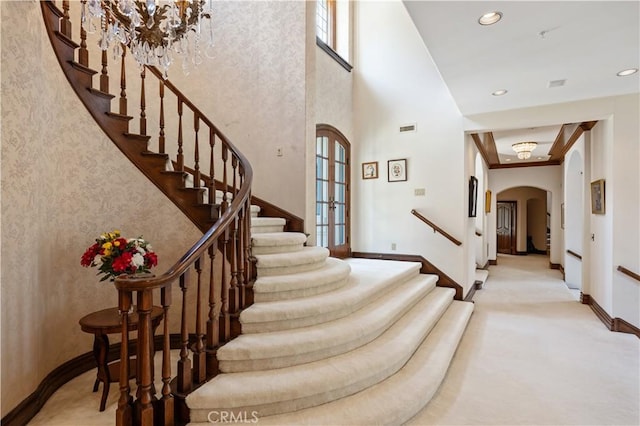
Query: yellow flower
x=116 y=243
x=107 y=252
x=107 y=245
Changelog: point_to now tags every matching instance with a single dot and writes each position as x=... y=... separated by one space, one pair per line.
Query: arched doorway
x=333 y=180
x=521 y=221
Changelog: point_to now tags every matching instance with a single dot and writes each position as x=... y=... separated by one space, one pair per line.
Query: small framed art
x=397 y=170
x=597 y=197
x=473 y=196
x=370 y=170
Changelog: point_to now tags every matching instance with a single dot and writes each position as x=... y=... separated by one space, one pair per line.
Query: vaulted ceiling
x=541 y=52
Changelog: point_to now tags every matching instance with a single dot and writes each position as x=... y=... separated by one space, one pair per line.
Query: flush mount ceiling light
x=500 y=92
x=490 y=18
x=626 y=72
x=523 y=149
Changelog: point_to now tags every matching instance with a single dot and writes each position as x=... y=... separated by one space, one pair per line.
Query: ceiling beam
x=487 y=147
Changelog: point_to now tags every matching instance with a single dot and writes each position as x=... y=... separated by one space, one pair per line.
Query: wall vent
x=408 y=128
x=557 y=83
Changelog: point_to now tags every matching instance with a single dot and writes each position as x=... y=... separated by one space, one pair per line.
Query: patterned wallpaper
x=63 y=183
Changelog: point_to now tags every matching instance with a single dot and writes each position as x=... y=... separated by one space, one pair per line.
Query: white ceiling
x=584 y=42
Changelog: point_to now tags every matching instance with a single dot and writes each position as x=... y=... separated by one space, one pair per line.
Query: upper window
x=333 y=19
x=326 y=22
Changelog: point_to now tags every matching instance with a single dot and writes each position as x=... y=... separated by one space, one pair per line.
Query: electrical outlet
x=419 y=192
x=393 y=246
x=279 y=152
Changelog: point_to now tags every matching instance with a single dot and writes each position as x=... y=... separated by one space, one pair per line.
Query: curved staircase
x=270 y=329
x=332 y=342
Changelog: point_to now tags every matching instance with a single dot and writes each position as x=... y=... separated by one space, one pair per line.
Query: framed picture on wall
x=473 y=196
x=487 y=201
x=597 y=197
x=370 y=170
x=397 y=170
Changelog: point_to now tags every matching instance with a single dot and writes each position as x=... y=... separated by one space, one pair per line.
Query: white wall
x=574 y=229
x=396 y=83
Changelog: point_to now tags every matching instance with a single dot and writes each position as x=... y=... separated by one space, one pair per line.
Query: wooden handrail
x=574 y=254
x=436 y=228
x=628 y=272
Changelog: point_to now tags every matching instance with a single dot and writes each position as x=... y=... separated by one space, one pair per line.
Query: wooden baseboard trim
x=622 y=326
x=471 y=293
x=554 y=265
x=493 y=262
x=427 y=268
x=614 y=324
x=485 y=266
x=30 y=406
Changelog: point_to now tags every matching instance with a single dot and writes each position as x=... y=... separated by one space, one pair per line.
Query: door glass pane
x=339 y=193
x=325 y=168
x=322 y=236
x=340 y=172
x=340 y=213
x=340 y=238
x=339 y=153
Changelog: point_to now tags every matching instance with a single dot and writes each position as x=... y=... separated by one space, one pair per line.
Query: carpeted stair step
x=251 y=352
x=267 y=224
x=293 y=388
x=481 y=277
x=397 y=399
x=333 y=275
x=277 y=242
x=369 y=280
x=303 y=260
x=255 y=210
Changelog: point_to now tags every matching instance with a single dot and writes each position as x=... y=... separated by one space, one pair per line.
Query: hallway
x=532 y=354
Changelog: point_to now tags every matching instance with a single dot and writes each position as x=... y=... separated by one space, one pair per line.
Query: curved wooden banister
x=436 y=228
x=574 y=254
x=217 y=270
x=628 y=272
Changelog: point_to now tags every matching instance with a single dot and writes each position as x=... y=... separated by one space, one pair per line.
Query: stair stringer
x=116 y=127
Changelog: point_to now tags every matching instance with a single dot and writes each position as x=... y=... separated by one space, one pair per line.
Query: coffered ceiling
x=541 y=52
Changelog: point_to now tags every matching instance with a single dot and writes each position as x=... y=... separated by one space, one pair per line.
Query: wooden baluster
x=123 y=83
x=225 y=319
x=213 y=331
x=123 y=412
x=180 y=159
x=65 y=23
x=143 y=104
x=212 y=182
x=196 y=168
x=83 y=53
x=225 y=155
x=166 y=403
x=199 y=355
x=184 y=363
x=104 y=74
x=161 y=138
x=144 y=404
x=234 y=165
x=234 y=291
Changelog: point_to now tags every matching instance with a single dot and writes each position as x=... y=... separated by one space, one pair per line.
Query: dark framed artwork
x=597 y=197
x=370 y=170
x=397 y=170
x=473 y=196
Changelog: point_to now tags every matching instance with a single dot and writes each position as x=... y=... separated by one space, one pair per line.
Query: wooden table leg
x=100 y=351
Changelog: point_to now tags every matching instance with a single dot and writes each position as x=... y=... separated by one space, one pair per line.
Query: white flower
x=137 y=260
x=97 y=261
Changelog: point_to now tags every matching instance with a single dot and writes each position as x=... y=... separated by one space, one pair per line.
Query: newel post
x=146 y=397
x=123 y=412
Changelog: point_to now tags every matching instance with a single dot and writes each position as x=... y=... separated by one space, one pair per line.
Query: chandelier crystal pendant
x=156 y=31
x=524 y=149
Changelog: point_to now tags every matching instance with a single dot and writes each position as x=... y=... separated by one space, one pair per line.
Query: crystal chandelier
x=523 y=149
x=156 y=31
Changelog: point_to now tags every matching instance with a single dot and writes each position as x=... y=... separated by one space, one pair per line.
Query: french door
x=332 y=191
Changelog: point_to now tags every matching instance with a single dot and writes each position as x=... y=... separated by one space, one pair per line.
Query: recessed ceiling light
x=499 y=92
x=627 y=72
x=490 y=18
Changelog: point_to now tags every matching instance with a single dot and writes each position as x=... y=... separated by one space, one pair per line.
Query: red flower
x=151 y=259
x=89 y=255
x=121 y=263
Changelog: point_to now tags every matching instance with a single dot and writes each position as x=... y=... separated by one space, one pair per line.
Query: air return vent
x=557 y=83
x=408 y=128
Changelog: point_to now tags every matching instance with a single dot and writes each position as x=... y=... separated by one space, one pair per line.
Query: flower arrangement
x=114 y=255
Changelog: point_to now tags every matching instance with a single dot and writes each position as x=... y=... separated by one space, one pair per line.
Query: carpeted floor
x=532 y=354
